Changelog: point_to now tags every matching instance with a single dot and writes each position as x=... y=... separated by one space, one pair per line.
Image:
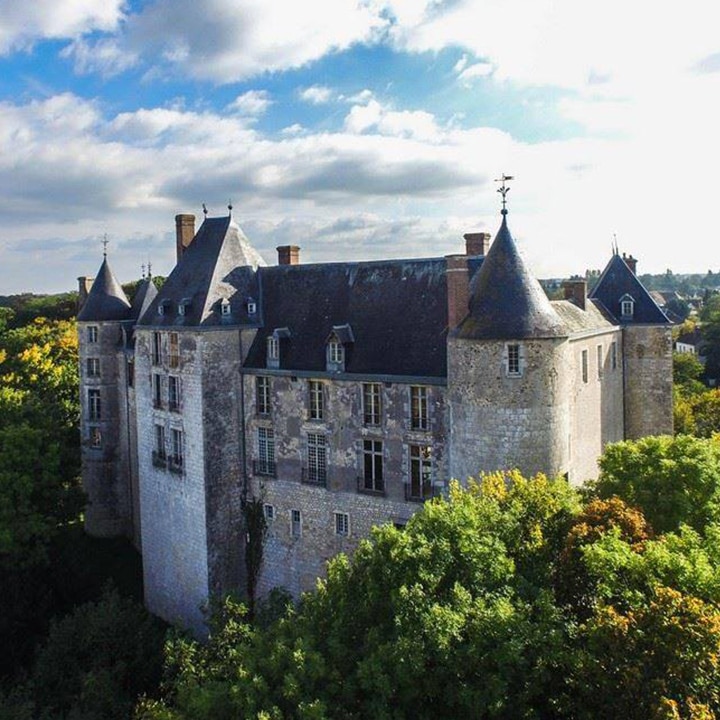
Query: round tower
x=103 y=322
x=509 y=371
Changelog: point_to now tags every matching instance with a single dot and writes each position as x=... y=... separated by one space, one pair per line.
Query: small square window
x=269 y=511
x=342 y=524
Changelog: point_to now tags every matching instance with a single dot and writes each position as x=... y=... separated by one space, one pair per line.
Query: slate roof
x=396 y=309
x=506 y=301
x=106 y=299
x=144 y=295
x=219 y=264
x=617 y=280
x=577 y=320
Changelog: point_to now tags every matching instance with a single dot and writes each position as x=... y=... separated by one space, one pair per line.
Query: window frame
x=420 y=472
x=600 y=361
x=266 y=462
x=177 y=447
x=174 y=403
x=156 y=348
x=92 y=367
x=295 y=523
x=373 y=477
x=372 y=404
x=316 y=447
x=335 y=352
x=157 y=390
x=263 y=402
x=342 y=523
x=613 y=355
x=584 y=362
x=94 y=399
x=273 y=348
x=174 y=350
x=269 y=512
x=513 y=360
x=316 y=400
x=92 y=333
x=419 y=408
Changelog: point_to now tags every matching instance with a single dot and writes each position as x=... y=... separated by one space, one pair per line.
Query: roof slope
x=506 y=301
x=219 y=264
x=106 y=299
x=618 y=280
x=144 y=295
x=396 y=310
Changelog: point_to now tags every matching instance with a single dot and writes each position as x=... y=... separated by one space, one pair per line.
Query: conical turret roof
x=506 y=301
x=106 y=299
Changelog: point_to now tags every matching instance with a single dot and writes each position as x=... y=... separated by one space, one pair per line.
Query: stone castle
x=340 y=396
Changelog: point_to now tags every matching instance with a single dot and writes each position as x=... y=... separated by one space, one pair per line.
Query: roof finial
x=230 y=208
x=616 y=251
x=504 y=190
x=105 y=244
x=204 y=209
x=143 y=270
x=149 y=270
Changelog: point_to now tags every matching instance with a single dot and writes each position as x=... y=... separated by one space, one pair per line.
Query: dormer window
x=274 y=342
x=336 y=349
x=627 y=307
x=225 y=307
x=163 y=307
x=184 y=306
x=251 y=307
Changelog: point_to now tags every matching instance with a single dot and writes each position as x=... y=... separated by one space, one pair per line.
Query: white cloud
x=416 y=124
x=252 y=103
x=360 y=98
x=23 y=23
x=316 y=94
x=472 y=72
x=229 y=40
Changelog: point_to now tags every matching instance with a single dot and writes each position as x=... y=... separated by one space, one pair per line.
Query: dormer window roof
x=335 y=354
x=627 y=307
x=274 y=342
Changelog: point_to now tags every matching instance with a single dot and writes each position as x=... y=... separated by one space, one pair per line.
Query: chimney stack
x=288 y=255
x=458 y=289
x=84 y=285
x=477 y=243
x=631 y=262
x=576 y=291
x=184 y=233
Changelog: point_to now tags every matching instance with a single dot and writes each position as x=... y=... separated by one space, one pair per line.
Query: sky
x=357 y=130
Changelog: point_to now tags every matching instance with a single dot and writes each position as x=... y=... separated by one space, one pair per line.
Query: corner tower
x=102 y=330
x=508 y=372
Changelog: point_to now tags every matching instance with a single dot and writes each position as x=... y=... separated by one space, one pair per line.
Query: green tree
x=672 y=480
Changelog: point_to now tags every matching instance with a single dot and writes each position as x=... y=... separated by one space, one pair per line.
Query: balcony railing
x=265 y=467
x=370 y=487
x=314 y=476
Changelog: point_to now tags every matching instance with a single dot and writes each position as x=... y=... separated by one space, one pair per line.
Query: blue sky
x=356 y=129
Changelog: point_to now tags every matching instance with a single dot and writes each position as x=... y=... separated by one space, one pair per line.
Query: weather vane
x=504 y=190
x=204 y=209
x=149 y=270
x=143 y=270
x=230 y=206
x=105 y=244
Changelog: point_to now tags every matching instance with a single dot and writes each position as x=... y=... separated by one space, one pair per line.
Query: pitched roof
x=397 y=310
x=618 y=280
x=506 y=301
x=145 y=293
x=106 y=299
x=219 y=264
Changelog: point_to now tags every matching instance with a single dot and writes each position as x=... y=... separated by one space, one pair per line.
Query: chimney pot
x=631 y=262
x=477 y=243
x=84 y=285
x=184 y=233
x=288 y=255
x=458 y=289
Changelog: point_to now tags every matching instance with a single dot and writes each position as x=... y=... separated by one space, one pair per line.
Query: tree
x=672 y=480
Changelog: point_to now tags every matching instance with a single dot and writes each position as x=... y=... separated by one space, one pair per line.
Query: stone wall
x=648 y=381
x=104 y=451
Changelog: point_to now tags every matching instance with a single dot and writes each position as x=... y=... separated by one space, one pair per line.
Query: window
x=342 y=524
x=317 y=459
x=173 y=392
x=584 y=366
x=513 y=359
x=174 y=342
x=269 y=511
x=373 y=466
x=627 y=306
x=92 y=333
x=181 y=309
x=157 y=390
x=336 y=352
x=176 y=439
x=599 y=361
x=419 y=419
x=273 y=348
x=613 y=356
x=225 y=307
x=262 y=391
x=316 y=400
x=295 y=523
x=372 y=407
x=266 y=451
x=159 y=453
x=95 y=437
x=251 y=307
x=93 y=367
x=94 y=404
x=156 y=347
x=420 y=485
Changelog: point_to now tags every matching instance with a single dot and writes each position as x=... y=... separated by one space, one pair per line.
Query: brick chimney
x=477 y=243
x=576 y=291
x=458 y=289
x=184 y=233
x=84 y=285
x=631 y=262
x=288 y=255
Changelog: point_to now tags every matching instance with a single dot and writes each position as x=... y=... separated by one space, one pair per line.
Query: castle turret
x=102 y=328
x=508 y=379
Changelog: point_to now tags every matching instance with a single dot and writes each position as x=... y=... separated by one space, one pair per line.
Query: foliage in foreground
x=512 y=598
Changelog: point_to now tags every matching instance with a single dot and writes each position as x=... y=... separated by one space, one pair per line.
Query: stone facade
x=340 y=396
